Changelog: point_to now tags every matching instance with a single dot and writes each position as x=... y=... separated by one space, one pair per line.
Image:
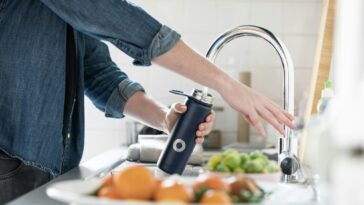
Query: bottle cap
x=328 y=84
x=199 y=95
x=327 y=92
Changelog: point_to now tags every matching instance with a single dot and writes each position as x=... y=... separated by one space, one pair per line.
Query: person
x=51 y=54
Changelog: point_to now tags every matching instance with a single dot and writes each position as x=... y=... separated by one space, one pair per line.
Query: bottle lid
x=200 y=95
x=328 y=84
x=196 y=94
x=327 y=92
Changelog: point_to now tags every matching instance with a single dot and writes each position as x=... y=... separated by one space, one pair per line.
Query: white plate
x=79 y=192
x=263 y=177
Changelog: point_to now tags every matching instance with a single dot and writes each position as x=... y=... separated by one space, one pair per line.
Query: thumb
x=179 y=108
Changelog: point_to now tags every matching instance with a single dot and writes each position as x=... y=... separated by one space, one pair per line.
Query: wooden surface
x=321 y=69
x=243 y=126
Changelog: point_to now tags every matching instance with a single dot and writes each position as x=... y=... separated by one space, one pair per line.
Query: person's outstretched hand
x=176 y=110
x=253 y=106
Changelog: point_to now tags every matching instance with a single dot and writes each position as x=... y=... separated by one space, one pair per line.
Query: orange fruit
x=216 y=197
x=210 y=181
x=172 y=190
x=135 y=182
x=158 y=183
x=107 y=181
x=237 y=184
x=108 y=192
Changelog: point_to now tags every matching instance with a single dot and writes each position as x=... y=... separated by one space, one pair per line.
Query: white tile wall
x=300 y=17
x=196 y=16
x=232 y=14
x=200 y=22
x=302 y=49
x=268 y=14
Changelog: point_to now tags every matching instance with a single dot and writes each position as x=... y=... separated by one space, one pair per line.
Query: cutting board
x=322 y=65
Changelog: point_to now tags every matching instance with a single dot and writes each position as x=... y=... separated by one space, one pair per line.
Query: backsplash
x=295 y=22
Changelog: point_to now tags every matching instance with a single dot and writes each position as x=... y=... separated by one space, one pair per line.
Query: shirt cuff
x=116 y=102
x=162 y=42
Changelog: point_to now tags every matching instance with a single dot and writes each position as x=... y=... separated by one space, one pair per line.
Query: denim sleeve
x=105 y=84
x=125 y=25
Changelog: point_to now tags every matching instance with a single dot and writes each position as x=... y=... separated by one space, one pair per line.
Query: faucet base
x=289 y=179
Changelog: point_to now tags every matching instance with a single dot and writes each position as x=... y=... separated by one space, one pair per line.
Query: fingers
x=275 y=116
x=282 y=116
x=205 y=127
x=265 y=114
x=199 y=140
x=279 y=109
x=211 y=117
x=179 y=108
x=247 y=119
x=254 y=119
x=288 y=115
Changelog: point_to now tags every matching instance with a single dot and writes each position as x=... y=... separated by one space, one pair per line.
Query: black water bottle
x=181 y=143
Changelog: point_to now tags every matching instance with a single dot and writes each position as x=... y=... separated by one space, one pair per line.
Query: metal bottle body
x=181 y=143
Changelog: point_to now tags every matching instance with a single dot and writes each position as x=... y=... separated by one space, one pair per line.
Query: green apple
x=230 y=152
x=254 y=166
x=259 y=155
x=222 y=168
x=239 y=170
x=232 y=161
x=244 y=157
x=214 y=161
x=273 y=167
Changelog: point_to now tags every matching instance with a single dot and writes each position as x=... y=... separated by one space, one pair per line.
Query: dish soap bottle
x=326 y=95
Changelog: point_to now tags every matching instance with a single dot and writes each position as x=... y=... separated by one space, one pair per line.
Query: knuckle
x=174 y=105
x=254 y=120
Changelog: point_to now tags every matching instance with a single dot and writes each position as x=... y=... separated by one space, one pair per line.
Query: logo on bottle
x=179 y=145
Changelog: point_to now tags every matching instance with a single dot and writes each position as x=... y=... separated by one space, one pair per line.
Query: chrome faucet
x=287 y=146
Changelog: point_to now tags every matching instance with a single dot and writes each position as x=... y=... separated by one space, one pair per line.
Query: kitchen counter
x=103 y=162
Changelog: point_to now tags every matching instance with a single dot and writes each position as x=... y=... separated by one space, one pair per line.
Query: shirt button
x=68 y=136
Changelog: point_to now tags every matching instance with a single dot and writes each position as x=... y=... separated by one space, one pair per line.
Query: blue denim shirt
x=32 y=71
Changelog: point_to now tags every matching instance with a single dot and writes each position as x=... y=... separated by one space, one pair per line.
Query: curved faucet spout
x=286 y=144
x=285 y=57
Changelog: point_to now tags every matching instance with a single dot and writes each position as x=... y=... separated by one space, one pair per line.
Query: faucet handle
x=289 y=165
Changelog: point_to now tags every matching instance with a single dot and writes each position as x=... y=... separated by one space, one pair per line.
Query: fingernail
x=184 y=107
